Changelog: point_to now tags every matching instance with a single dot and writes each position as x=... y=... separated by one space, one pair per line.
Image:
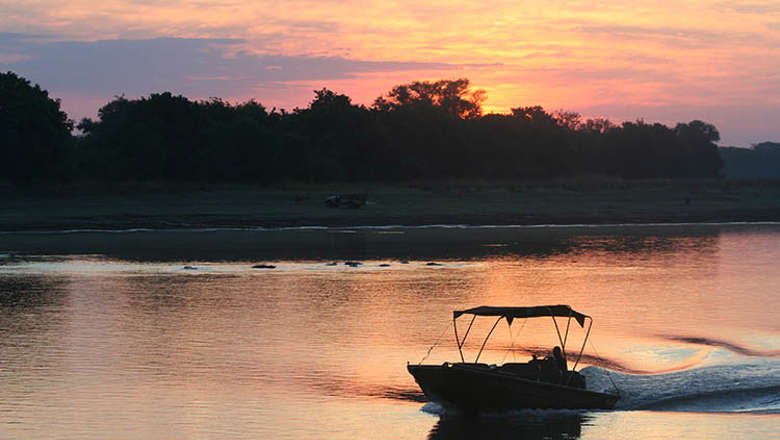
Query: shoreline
x=103 y=226
x=567 y=204
x=388 y=227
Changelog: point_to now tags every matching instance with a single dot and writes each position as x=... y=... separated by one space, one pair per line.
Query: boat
x=539 y=383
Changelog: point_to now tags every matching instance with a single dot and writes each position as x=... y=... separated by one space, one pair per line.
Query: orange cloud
x=560 y=54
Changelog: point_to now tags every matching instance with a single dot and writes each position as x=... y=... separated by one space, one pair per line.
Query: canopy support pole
x=587 y=334
x=486 y=339
x=557 y=330
x=457 y=338
x=463 y=342
x=566 y=337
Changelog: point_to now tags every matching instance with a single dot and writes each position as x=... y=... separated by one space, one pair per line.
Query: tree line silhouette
x=421 y=130
x=762 y=161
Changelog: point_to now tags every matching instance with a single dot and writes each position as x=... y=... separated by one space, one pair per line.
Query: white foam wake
x=753 y=387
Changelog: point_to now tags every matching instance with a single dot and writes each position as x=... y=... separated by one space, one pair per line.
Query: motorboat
x=538 y=383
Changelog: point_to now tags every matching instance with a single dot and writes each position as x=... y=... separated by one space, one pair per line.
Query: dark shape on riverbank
x=353 y=263
x=434 y=264
x=351 y=201
x=263 y=266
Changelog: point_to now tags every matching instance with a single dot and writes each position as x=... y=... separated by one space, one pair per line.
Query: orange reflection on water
x=95 y=345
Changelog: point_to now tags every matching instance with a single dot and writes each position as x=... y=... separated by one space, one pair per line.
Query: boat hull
x=473 y=387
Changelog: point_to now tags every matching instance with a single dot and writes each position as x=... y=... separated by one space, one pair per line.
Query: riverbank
x=565 y=202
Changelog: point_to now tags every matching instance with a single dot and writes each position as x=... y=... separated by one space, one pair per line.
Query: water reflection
x=530 y=425
x=32 y=331
x=30 y=312
x=24 y=294
x=92 y=346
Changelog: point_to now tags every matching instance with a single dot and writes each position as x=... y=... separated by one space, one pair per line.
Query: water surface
x=173 y=334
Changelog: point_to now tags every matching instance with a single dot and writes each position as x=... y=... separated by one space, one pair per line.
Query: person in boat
x=560 y=372
x=556 y=358
x=552 y=366
x=560 y=361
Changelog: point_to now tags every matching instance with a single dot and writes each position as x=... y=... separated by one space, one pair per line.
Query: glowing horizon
x=662 y=62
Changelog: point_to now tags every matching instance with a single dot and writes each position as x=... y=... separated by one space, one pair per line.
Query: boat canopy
x=524 y=312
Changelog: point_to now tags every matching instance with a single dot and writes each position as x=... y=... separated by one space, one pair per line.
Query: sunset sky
x=661 y=60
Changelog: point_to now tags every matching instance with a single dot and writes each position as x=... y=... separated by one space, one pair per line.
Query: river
x=173 y=334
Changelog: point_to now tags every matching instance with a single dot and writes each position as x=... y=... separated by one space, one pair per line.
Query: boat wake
x=718 y=343
x=738 y=388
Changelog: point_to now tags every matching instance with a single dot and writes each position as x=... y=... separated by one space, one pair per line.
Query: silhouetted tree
x=597 y=125
x=535 y=115
x=700 y=154
x=453 y=97
x=568 y=119
x=334 y=138
x=35 y=137
x=172 y=138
